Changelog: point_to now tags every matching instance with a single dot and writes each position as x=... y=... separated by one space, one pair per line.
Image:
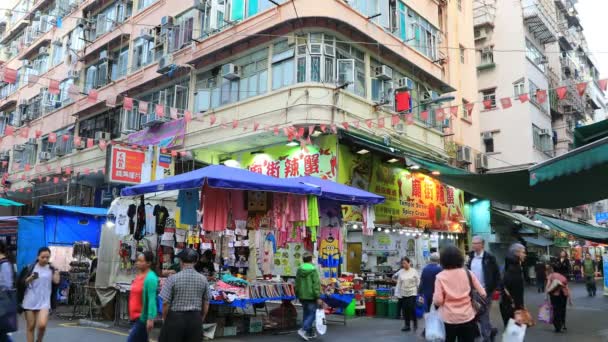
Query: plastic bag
x=545 y=313
x=320 y=323
x=514 y=332
x=434 y=328
x=420 y=306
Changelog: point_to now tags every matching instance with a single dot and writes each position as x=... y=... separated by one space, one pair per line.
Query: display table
x=338 y=301
x=244 y=303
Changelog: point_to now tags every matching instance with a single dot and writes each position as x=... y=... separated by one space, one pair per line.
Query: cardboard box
x=256 y=325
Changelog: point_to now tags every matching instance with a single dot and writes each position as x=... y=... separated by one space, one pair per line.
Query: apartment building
x=247 y=70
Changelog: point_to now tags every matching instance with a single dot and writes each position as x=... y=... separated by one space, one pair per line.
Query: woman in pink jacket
x=452 y=296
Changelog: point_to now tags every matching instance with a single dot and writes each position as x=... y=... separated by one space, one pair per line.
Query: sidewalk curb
x=93 y=324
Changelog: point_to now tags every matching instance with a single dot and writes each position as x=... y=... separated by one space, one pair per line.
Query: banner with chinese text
x=125 y=165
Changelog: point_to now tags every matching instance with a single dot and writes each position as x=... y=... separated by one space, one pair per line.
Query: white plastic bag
x=320 y=323
x=514 y=332
x=434 y=328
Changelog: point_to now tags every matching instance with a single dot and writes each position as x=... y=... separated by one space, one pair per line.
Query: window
x=119 y=64
x=143 y=53
x=24 y=154
x=416 y=31
x=489 y=94
x=59 y=147
x=105 y=122
x=173 y=96
x=533 y=89
x=462 y=54
x=212 y=17
x=57 y=53
x=487 y=55
x=518 y=87
x=282 y=65
x=181 y=33
x=488 y=142
x=535 y=56
x=465 y=112
x=75 y=39
x=141 y=4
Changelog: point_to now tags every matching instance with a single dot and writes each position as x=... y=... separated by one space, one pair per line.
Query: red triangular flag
x=159 y=109
x=581 y=87
x=52 y=137
x=54 y=87
x=541 y=96
x=603 y=84
x=86 y=171
x=311 y=129
x=334 y=128
x=212 y=119
x=65 y=137
x=183 y=153
x=127 y=103
x=381 y=122
x=173 y=153
x=469 y=107
x=300 y=132
x=40 y=179
x=90 y=142
x=369 y=123
x=93 y=95
x=25 y=131
x=395 y=119
x=27 y=167
x=523 y=98
x=345 y=125
x=77 y=141
x=487 y=104
x=74 y=92
x=9 y=75
x=439 y=114
x=356 y=123
x=55 y=180
x=4 y=163
x=9 y=130
x=173 y=113
x=102 y=144
x=424 y=115
x=235 y=123
x=187 y=116
x=409 y=119
x=142 y=107
x=561 y=92
x=505 y=102
x=323 y=128
x=275 y=130
x=38 y=133
x=68 y=170
x=256 y=125
x=454 y=111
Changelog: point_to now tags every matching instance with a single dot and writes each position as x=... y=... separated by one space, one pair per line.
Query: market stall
x=251 y=228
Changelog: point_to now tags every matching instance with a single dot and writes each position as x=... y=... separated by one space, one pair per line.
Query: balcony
x=537 y=16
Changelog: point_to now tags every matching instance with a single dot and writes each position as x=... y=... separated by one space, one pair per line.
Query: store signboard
x=167 y=135
x=125 y=165
x=412 y=199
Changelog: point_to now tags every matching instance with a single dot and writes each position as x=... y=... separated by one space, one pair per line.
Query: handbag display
x=479 y=302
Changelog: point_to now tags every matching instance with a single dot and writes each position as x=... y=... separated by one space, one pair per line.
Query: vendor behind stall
x=205 y=264
x=171 y=264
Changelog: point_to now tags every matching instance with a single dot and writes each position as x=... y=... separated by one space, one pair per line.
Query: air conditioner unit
x=384 y=73
x=545 y=131
x=481 y=162
x=103 y=55
x=19 y=147
x=165 y=63
x=400 y=128
x=102 y=136
x=43 y=51
x=73 y=74
x=27 y=63
x=486 y=135
x=230 y=71
x=149 y=120
x=463 y=154
x=487 y=49
x=166 y=21
x=82 y=22
x=481 y=34
x=147 y=34
x=405 y=83
x=31 y=141
x=44 y=155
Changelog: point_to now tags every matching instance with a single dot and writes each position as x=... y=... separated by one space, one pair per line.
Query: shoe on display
x=303 y=334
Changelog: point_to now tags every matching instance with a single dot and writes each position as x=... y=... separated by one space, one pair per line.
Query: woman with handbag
x=455 y=287
x=559 y=293
x=35 y=287
x=512 y=299
x=407 y=290
x=8 y=304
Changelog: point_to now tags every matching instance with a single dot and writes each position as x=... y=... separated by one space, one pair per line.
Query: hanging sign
x=125 y=165
x=170 y=134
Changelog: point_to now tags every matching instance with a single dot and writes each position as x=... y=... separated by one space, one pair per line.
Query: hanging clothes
x=140 y=228
x=215 y=209
x=369 y=216
x=330 y=247
x=280 y=211
x=131 y=214
x=188 y=201
x=237 y=199
x=268 y=254
x=161 y=214
x=150 y=219
x=313 y=216
x=298 y=208
x=330 y=213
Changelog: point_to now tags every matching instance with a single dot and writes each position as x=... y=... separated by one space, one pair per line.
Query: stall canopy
x=219 y=176
x=539 y=241
x=342 y=193
x=584 y=135
x=520 y=219
x=30 y=237
x=514 y=187
x=4 y=202
x=64 y=225
x=580 y=230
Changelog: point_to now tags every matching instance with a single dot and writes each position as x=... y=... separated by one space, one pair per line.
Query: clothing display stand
x=82 y=299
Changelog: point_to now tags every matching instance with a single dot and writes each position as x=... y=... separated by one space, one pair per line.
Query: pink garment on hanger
x=298 y=208
x=239 y=213
x=282 y=237
x=215 y=209
x=280 y=212
x=295 y=234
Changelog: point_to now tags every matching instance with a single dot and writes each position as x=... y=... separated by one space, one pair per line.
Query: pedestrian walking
x=35 y=287
x=407 y=289
x=453 y=296
x=308 y=291
x=512 y=298
x=485 y=268
x=589 y=272
x=185 y=302
x=541 y=275
x=563 y=265
x=143 y=299
x=559 y=293
x=427 y=280
x=8 y=305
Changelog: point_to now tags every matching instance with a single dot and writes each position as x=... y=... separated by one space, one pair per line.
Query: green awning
x=539 y=241
x=4 y=202
x=513 y=187
x=590 y=160
x=522 y=220
x=580 y=230
x=584 y=135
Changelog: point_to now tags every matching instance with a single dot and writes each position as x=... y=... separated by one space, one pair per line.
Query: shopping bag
x=8 y=302
x=545 y=313
x=514 y=332
x=434 y=328
x=209 y=331
x=420 y=306
x=320 y=323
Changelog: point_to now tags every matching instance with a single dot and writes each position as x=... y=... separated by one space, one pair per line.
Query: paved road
x=585 y=321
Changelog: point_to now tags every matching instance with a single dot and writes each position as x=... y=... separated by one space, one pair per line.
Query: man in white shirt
x=484 y=267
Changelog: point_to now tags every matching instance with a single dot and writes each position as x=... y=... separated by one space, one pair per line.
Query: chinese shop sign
x=125 y=165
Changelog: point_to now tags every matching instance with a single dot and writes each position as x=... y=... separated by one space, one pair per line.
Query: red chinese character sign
x=125 y=165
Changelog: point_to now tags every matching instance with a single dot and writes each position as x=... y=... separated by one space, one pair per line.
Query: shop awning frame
x=539 y=241
x=580 y=230
x=520 y=219
x=344 y=194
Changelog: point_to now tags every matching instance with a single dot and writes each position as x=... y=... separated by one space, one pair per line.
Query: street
x=585 y=322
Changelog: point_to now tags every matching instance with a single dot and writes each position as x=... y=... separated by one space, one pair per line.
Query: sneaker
x=406 y=328
x=303 y=334
x=313 y=335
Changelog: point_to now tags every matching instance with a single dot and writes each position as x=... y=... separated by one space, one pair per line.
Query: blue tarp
x=342 y=193
x=30 y=237
x=219 y=176
x=64 y=225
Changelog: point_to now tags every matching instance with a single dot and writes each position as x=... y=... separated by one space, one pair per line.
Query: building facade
x=226 y=76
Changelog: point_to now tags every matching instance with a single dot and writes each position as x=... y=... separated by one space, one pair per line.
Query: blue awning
x=5 y=202
x=219 y=176
x=342 y=193
x=45 y=209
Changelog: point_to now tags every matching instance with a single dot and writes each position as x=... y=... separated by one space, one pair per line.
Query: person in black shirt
x=205 y=264
x=512 y=298
x=563 y=265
